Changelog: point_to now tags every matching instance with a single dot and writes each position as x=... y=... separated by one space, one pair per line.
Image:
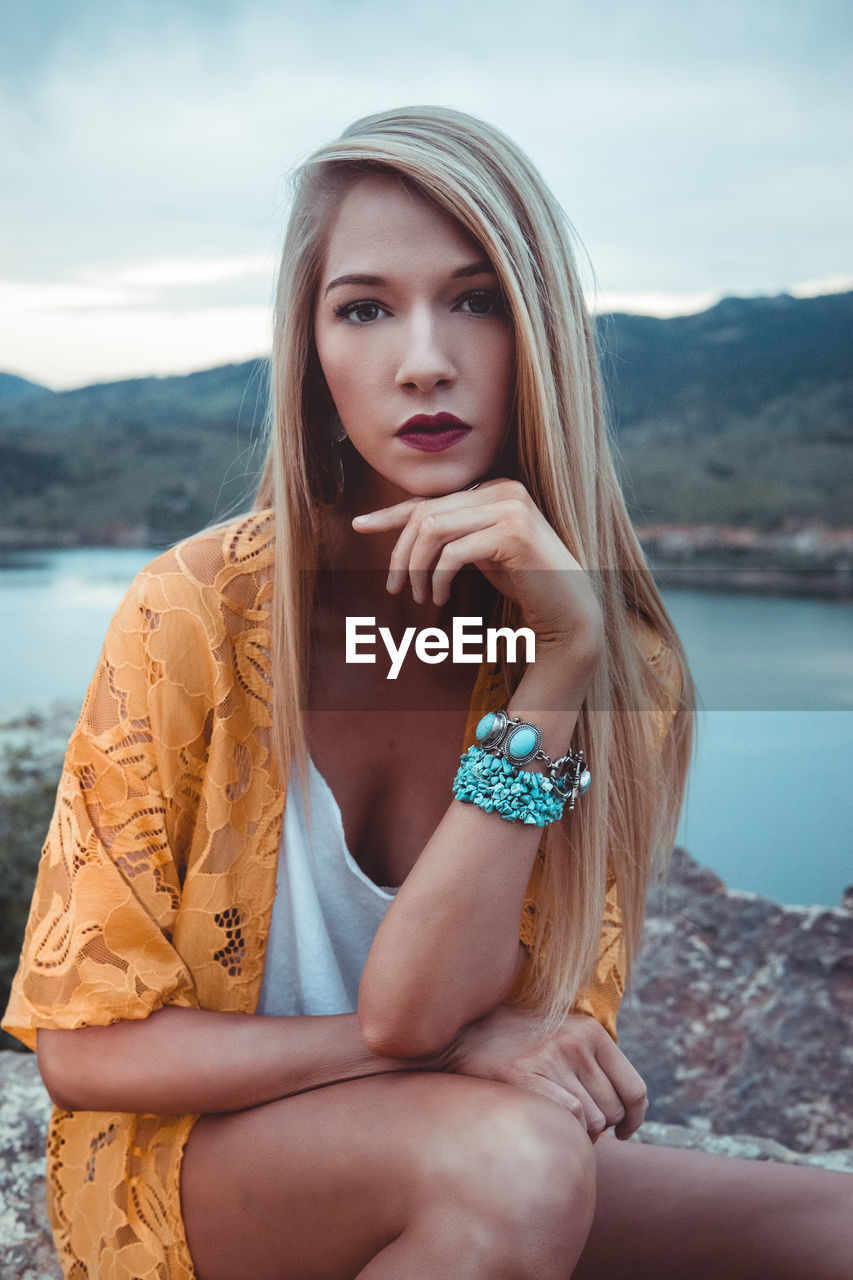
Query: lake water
x=770 y=801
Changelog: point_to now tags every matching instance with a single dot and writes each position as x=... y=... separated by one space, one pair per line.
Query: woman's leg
x=664 y=1213
x=412 y=1174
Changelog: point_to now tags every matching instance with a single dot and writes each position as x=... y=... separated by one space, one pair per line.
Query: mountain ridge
x=738 y=415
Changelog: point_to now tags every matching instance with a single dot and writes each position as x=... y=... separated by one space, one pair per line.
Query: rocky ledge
x=741 y=1013
x=739 y=1022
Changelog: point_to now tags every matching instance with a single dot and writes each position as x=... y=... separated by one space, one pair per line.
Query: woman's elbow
x=55 y=1064
x=390 y=1036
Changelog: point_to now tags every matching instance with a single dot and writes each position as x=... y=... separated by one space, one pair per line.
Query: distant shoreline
x=802 y=560
x=814 y=562
x=794 y=582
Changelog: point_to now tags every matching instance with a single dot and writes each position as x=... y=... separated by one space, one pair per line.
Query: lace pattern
x=158 y=875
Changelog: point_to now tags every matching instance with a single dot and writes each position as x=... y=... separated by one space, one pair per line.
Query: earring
x=335 y=436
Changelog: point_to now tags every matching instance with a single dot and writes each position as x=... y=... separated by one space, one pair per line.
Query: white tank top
x=325 y=914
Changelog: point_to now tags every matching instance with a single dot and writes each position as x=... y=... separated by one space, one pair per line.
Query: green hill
x=14 y=388
x=742 y=414
x=145 y=460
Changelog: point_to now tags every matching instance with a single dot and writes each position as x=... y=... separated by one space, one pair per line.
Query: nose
x=425 y=361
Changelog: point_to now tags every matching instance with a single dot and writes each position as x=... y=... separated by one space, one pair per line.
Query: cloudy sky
x=700 y=149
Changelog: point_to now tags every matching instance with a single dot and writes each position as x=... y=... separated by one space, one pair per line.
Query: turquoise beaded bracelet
x=495 y=786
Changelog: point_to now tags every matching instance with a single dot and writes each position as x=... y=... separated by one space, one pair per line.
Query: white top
x=325 y=914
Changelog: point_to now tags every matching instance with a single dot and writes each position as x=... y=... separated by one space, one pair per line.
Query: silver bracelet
x=519 y=742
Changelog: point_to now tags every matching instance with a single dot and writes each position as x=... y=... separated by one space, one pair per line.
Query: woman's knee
x=458 y=1161
x=519 y=1163
x=520 y=1135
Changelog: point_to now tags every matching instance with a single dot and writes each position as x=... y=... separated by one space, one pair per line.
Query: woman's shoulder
x=664 y=663
x=208 y=592
x=224 y=556
x=652 y=645
x=655 y=647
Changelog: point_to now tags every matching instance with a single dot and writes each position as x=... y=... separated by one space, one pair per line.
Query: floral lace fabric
x=158 y=875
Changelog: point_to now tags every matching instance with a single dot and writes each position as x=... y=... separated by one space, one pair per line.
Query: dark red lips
x=432 y=422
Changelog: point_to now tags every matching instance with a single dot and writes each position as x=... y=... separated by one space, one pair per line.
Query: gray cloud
x=697 y=148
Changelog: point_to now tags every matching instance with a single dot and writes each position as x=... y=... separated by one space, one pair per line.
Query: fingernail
x=364 y=519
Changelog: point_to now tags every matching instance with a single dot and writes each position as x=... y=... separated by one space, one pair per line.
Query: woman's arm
x=194 y=1061
x=182 y=1061
x=447 y=951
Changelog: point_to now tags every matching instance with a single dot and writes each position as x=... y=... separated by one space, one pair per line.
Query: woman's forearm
x=446 y=951
x=179 y=1061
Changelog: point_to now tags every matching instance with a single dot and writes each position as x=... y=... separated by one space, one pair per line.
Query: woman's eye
x=359 y=312
x=484 y=302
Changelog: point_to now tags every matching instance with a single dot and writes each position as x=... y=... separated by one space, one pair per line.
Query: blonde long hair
x=625 y=825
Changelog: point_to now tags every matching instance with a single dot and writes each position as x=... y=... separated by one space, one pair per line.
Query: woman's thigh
x=671 y=1213
x=316 y=1185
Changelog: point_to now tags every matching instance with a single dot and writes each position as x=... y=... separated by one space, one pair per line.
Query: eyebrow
x=481 y=267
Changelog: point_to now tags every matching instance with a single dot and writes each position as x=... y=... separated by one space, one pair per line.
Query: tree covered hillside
x=742 y=414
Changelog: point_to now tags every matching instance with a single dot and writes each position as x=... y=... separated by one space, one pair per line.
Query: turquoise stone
x=521 y=743
x=586 y=779
x=485 y=726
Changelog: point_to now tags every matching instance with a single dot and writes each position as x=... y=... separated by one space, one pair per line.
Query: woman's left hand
x=577 y=1066
x=498 y=528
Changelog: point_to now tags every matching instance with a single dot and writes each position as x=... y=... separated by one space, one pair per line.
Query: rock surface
x=740 y=1025
x=742 y=1013
x=26 y=1247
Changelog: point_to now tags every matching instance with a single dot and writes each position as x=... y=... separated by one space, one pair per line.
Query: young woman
x=316 y=995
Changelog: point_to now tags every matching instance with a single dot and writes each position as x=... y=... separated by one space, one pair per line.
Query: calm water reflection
x=770 y=806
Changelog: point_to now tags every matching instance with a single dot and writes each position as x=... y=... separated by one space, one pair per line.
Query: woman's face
x=414 y=342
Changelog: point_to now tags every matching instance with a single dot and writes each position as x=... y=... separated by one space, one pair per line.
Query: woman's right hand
x=579 y=1067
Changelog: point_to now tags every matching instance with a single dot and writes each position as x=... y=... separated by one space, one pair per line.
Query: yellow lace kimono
x=158 y=875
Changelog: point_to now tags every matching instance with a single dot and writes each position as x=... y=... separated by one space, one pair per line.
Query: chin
x=442 y=481
x=448 y=481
